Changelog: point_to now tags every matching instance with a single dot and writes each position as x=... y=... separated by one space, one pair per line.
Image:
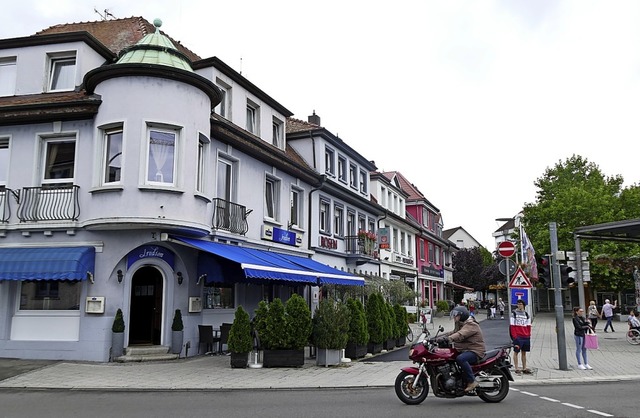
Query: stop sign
x=506 y=249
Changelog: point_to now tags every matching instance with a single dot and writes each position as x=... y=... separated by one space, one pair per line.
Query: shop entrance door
x=145 y=321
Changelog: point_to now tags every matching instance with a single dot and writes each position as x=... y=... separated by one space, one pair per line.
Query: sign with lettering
x=282 y=236
x=384 y=238
x=432 y=271
x=151 y=251
x=328 y=242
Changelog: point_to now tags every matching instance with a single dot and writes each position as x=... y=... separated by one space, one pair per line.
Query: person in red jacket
x=520 y=330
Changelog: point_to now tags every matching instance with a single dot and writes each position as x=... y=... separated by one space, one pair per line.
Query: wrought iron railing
x=359 y=245
x=5 y=209
x=49 y=203
x=229 y=216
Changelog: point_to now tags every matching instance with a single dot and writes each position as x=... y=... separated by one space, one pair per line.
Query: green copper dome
x=155 y=48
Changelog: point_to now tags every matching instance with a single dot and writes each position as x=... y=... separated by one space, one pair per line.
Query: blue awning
x=261 y=264
x=60 y=263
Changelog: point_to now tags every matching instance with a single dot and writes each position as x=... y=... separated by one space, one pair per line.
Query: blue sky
x=470 y=99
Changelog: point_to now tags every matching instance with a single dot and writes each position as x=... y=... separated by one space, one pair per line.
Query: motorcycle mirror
x=440 y=328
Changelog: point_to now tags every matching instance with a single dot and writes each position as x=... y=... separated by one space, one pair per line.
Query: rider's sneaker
x=581 y=367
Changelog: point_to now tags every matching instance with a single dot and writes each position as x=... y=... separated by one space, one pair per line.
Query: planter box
x=283 y=358
x=389 y=344
x=328 y=357
x=374 y=348
x=401 y=341
x=355 y=351
x=177 y=339
x=117 y=345
x=239 y=360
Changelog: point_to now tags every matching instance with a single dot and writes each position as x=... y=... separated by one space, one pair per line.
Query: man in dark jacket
x=468 y=340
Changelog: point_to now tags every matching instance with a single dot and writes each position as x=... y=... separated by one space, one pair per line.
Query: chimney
x=315 y=119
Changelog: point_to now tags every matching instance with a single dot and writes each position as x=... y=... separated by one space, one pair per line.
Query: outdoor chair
x=224 y=336
x=206 y=337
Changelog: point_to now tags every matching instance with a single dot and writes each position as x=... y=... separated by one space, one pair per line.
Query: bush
x=331 y=325
x=240 y=340
x=275 y=336
x=260 y=320
x=375 y=322
x=177 y=324
x=442 y=306
x=118 y=322
x=402 y=320
x=298 y=322
x=358 y=333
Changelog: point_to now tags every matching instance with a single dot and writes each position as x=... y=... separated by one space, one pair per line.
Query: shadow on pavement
x=10 y=367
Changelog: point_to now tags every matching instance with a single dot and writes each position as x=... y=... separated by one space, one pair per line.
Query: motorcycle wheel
x=409 y=394
x=497 y=393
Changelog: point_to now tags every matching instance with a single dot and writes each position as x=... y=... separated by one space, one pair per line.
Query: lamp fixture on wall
x=180 y=278
x=120 y=276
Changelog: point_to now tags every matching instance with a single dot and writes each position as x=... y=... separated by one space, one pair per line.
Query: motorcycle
x=436 y=367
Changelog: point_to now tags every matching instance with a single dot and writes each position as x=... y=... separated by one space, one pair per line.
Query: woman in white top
x=593 y=314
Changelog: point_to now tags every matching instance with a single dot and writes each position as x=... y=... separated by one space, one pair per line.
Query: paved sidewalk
x=615 y=360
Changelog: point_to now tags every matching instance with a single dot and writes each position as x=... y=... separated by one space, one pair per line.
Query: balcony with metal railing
x=48 y=203
x=361 y=248
x=5 y=208
x=229 y=216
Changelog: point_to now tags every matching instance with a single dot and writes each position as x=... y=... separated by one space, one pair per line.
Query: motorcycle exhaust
x=488 y=382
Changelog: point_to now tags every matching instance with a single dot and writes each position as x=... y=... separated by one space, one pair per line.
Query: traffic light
x=544 y=271
x=564 y=275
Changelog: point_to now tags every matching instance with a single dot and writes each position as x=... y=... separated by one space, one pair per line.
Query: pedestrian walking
x=607 y=312
x=593 y=314
x=520 y=331
x=501 y=308
x=492 y=307
x=580 y=327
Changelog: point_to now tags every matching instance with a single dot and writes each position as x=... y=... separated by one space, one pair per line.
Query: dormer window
x=276 y=136
x=252 y=117
x=62 y=71
x=329 y=162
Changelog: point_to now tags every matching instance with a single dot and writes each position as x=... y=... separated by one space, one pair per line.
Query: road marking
x=549 y=399
x=529 y=393
x=572 y=405
x=604 y=414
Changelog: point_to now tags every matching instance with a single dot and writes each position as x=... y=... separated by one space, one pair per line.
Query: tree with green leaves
x=575 y=193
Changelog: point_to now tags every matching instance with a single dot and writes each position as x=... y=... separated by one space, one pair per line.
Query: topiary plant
x=358 y=333
x=297 y=322
x=275 y=336
x=331 y=325
x=240 y=340
x=118 y=322
x=375 y=323
x=177 y=324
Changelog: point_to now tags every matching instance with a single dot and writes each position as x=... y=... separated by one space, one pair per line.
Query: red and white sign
x=506 y=249
x=520 y=280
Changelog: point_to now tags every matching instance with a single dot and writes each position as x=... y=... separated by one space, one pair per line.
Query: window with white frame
x=362 y=223
x=296 y=199
x=271 y=197
x=50 y=295
x=226 y=178
x=353 y=175
x=162 y=161
x=8 y=73
x=329 y=161
x=59 y=160
x=62 y=71
x=425 y=217
x=438 y=250
x=4 y=160
x=253 y=118
x=224 y=107
x=372 y=225
x=409 y=245
x=395 y=240
x=422 y=250
x=383 y=197
x=403 y=242
x=342 y=168
x=203 y=148
x=112 y=155
x=363 y=181
x=351 y=223
x=277 y=133
x=325 y=211
x=432 y=255
x=338 y=220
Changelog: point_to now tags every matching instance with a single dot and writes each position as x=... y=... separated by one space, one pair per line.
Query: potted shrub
x=330 y=332
x=117 y=335
x=389 y=326
x=240 y=342
x=358 y=333
x=375 y=323
x=442 y=306
x=286 y=332
x=177 y=329
x=401 y=324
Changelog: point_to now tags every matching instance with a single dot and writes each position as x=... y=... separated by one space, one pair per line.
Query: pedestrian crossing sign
x=520 y=280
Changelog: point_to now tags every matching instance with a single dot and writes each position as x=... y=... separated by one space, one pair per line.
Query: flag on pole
x=529 y=256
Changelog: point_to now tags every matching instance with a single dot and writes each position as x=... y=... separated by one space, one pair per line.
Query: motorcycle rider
x=469 y=342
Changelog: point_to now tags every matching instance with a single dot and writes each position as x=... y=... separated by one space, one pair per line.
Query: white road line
x=549 y=399
x=572 y=405
x=529 y=393
x=604 y=414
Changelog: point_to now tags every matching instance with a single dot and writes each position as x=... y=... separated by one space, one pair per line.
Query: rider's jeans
x=464 y=360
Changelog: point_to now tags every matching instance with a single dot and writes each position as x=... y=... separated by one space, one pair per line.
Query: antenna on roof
x=240 y=65
x=105 y=15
